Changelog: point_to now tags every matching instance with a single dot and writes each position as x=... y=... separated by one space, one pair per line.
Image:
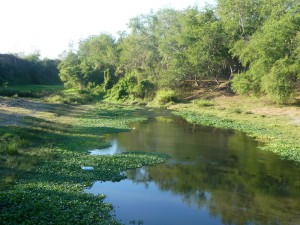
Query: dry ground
x=262 y=106
x=13 y=110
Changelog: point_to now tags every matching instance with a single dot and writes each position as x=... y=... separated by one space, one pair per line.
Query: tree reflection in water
x=219 y=170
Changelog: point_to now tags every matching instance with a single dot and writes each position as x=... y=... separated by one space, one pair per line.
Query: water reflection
x=150 y=205
x=215 y=177
x=114 y=149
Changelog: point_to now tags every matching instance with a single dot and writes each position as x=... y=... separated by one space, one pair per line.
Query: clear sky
x=50 y=25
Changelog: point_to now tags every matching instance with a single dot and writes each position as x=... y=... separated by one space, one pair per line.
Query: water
x=214 y=177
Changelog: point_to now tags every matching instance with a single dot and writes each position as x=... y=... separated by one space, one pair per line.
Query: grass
x=33 y=91
x=274 y=125
x=74 y=96
x=43 y=182
x=203 y=103
x=51 y=93
x=9 y=144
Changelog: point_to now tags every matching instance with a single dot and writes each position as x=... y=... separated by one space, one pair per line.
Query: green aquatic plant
x=50 y=187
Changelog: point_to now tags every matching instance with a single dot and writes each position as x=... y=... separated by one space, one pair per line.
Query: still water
x=214 y=177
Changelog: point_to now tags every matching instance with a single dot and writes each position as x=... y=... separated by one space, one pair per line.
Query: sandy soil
x=12 y=110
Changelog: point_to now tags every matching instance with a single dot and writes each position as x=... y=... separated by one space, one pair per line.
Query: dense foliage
x=255 y=44
x=29 y=69
x=270 y=51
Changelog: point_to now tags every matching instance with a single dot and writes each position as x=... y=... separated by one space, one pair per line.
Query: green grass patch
x=9 y=144
x=52 y=93
x=202 y=103
x=75 y=96
x=33 y=91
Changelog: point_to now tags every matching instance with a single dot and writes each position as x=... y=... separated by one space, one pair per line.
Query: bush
x=165 y=96
x=123 y=88
x=244 y=83
x=144 y=89
x=280 y=83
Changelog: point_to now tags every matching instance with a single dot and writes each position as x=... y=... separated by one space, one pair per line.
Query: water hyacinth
x=51 y=189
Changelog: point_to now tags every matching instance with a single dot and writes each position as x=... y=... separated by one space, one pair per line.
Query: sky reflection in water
x=147 y=203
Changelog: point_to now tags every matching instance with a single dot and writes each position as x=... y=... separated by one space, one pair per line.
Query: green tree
x=70 y=71
x=240 y=19
x=193 y=45
x=98 y=58
x=168 y=32
x=93 y=64
x=272 y=55
x=139 y=51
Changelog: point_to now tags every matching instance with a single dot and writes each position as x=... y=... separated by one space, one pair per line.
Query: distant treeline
x=28 y=70
x=255 y=45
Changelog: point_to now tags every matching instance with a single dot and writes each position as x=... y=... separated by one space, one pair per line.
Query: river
x=214 y=176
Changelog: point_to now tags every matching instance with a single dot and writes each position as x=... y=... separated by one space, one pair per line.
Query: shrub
x=280 y=83
x=123 y=88
x=144 y=89
x=241 y=83
x=165 y=96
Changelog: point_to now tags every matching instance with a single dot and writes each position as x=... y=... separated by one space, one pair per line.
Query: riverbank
x=43 y=147
x=276 y=126
x=46 y=144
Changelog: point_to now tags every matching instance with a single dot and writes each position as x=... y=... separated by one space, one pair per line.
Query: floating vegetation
x=50 y=190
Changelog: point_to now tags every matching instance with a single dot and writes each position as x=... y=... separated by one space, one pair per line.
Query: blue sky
x=50 y=25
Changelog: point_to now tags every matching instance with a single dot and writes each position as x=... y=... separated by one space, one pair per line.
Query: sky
x=49 y=26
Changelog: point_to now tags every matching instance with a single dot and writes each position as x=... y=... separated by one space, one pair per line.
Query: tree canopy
x=253 y=44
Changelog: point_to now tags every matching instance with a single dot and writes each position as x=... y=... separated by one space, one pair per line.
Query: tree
x=94 y=63
x=272 y=55
x=193 y=46
x=70 y=71
x=139 y=52
x=241 y=18
x=99 y=57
